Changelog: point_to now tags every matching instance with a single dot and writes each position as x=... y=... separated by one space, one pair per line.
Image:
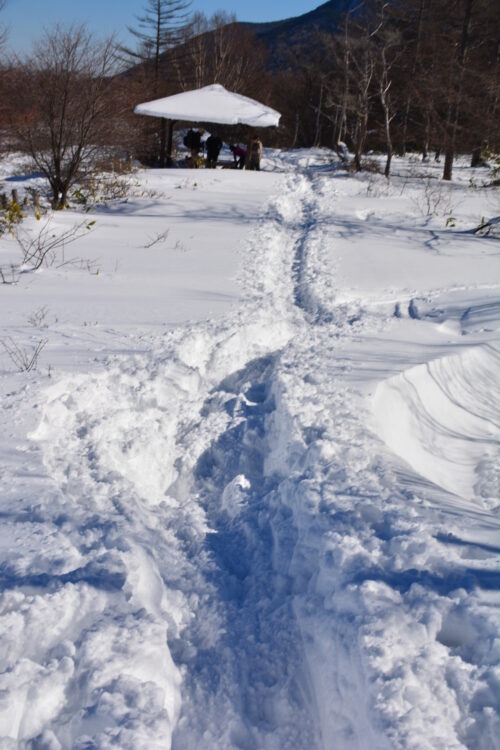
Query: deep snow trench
x=274 y=529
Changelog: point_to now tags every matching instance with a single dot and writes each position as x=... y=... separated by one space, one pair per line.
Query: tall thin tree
x=456 y=92
x=159 y=29
x=3 y=29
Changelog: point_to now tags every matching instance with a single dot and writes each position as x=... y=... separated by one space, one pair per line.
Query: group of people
x=243 y=158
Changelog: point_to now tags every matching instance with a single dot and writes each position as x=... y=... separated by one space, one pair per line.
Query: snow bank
x=438 y=417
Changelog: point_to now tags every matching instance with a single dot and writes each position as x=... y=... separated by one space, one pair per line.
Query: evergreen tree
x=157 y=30
x=160 y=28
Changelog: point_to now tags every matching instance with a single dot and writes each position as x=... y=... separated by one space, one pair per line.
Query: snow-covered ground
x=250 y=495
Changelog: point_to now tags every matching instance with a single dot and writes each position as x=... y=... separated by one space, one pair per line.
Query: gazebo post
x=249 y=133
x=163 y=141
x=166 y=141
x=170 y=136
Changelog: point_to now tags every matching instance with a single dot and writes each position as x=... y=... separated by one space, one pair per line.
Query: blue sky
x=26 y=18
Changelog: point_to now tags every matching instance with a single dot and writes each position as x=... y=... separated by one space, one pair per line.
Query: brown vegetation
x=395 y=76
x=413 y=73
x=62 y=105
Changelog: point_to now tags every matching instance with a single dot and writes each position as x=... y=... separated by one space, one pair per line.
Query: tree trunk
x=476 y=159
x=59 y=194
x=492 y=115
x=317 y=135
x=345 y=94
x=385 y=101
x=387 y=170
x=404 y=137
x=413 y=70
x=427 y=136
x=388 y=138
x=360 y=144
x=448 y=163
x=163 y=142
x=452 y=125
x=296 y=130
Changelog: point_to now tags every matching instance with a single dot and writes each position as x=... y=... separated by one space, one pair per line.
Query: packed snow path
x=255 y=536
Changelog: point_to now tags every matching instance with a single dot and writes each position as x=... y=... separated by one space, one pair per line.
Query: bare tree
x=412 y=12
x=218 y=50
x=346 y=63
x=385 y=83
x=65 y=94
x=159 y=29
x=3 y=29
x=483 y=70
x=456 y=91
x=387 y=41
x=363 y=68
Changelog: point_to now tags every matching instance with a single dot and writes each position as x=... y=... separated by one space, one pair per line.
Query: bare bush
x=97 y=188
x=159 y=238
x=180 y=247
x=38 y=318
x=434 y=200
x=490 y=228
x=64 y=92
x=43 y=248
x=24 y=359
x=370 y=165
x=9 y=276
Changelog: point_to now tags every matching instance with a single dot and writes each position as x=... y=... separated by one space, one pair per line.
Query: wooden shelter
x=211 y=104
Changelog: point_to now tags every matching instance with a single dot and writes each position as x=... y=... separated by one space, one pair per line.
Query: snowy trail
x=247 y=561
x=254 y=676
x=113 y=444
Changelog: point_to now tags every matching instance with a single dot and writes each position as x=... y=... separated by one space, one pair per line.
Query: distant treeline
x=398 y=75
x=406 y=74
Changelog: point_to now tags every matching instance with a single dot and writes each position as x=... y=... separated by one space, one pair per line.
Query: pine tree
x=158 y=29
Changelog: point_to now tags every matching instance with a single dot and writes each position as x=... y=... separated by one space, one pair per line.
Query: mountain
x=282 y=36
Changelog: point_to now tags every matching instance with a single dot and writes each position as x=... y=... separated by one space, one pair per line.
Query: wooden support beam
x=163 y=142
x=170 y=142
x=166 y=143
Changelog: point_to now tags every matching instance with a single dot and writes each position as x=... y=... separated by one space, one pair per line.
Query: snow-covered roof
x=212 y=104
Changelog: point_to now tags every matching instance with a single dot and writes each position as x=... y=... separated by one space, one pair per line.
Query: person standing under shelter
x=213 y=146
x=254 y=153
x=192 y=141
